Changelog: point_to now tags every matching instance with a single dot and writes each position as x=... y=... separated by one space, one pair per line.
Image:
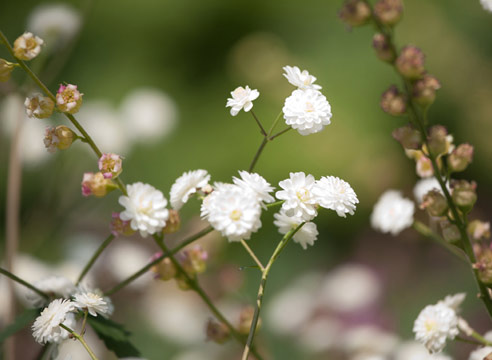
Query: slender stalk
x=263 y=132
x=280 y=202
x=81 y=339
x=94 y=258
x=252 y=254
x=84 y=322
x=480 y=338
x=468 y=341
x=258 y=153
x=23 y=282
x=147 y=267
x=279 y=133
x=424 y=230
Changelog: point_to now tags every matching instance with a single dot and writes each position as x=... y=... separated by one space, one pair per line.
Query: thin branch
x=94 y=257
x=23 y=282
x=252 y=254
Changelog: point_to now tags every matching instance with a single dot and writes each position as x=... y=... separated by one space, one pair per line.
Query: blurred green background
x=197 y=52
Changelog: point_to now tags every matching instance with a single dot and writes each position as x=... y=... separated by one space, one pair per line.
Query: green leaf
x=19 y=323
x=114 y=336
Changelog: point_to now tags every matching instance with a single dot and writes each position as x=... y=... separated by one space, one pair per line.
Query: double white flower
x=392 y=213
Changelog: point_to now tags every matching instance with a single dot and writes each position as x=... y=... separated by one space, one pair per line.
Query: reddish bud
x=393 y=102
x=424 y=90
x=460 y=158
x=388 y=12
x=355 y=12
x=408 y=137
x=410 y=62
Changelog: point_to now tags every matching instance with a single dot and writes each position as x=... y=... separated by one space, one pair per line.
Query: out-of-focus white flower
x=232 y=211
x=349 y=288
x=145 y=206
x=319 y=335
x=39 y=106
x=480 y=353
x=242 y=99
x=454 y=301
x=392 y=213
x=27 y=46
x=54 y=22
x=412 y=350
x=297 y=193
x=255 y=183
x=186 y=185
x=307 y=111
x=487 y=5
x=335 y=194
x=93 y=302
x=47 y=328
x=299 y=78
x=305 y=236
x=423 y=186
x=57 y=286
x=368 y=340
x=148 y=114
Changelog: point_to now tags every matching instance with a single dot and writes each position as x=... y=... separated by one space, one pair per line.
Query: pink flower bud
x=484 y=266
x=437 y=140
x=479 y=230
x=117 y=226
x=460 y=158
x=435 y=203
x=393 y=101
x=450 y=232
x=410 y=62
x=355 y=12
x=464 y=194
x=408 y=137
x=96 y=184
x=110 y=165
x=388 y=12
x=424 y=90
x=68 y=99
x=193 y=260
x=165 y=269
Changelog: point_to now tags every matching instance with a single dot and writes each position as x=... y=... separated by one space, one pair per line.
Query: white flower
x=299 y=201
x=335 y=194
x=307 y=111
x=255 y=183
x=392 y=213
x=232 y=211
x=57 y=286
x=412 y=350
x=487 y=4
x=480 y=353
x=54 y=21
x=145 y=206
x=242 y=98
x=93 y=302
x=47 y=328
x=186 y=185
x=423 y=186
x=299 y=78
x=27 y=46
x=368 y=340
x=454 y=301
x=39 y=106
x=305 y=236
x=434 y=325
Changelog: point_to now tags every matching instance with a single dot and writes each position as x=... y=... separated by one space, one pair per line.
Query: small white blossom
x=145 y=206
x=242 y=98
x=27 y=46
x=307 y=111
x=305 y=236
x=56 y=286
x=297 y=193
x=299 y=78
x=487 y=5
x=93 y=302
x=47 y=328
x=335 y=194
x=480 y=353
x=186 y=185
x=39 y=106
x=392 y=213
x=255 y=183
x=59 y=22
x=232 y=211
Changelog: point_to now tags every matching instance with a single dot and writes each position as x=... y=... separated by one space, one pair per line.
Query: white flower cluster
x=392 y=213
x=437 y=323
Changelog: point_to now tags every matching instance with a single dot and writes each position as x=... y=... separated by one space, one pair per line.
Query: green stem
x=279 y=133
x=280 y=202
x=468 y=341
x=480 y=338
x=252 y=254
x=424 y=230
x=84 y=321
x=81 y=339
x=23 y=282
x=263 y=132
x=94 y=258
x=258 y=153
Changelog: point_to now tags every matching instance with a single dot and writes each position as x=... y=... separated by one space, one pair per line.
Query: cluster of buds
x=118 y=226
x=358 y=12
x=27 y=46
x=96 y=184
x=60 y=137
x=39 y=106
x=69 y=99
x=6 y=69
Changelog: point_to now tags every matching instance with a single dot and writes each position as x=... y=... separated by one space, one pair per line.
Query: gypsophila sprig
x=297 y=194
x=242 y=99
x=46 y=328
x=335 y=194
x=392 y=213
x=187 y=185
x=301 y=79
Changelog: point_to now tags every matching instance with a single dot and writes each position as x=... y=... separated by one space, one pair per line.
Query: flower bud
x=6 y=69
x=393 y=102
x=193 y=260
x=27 y=46
x=68 y=99
x=388 y=12
x=478 y=230
x=460 y=158
x=217 y=331
x=424 y=90
x=39 y=106
x=450 y=232
x=437 y=140
x=110 y=165
x=173 y=223
x=408 y=137
x=410 y=62
x=355 y=12
x=484 y=266
x=384 y=50
x=245 y=320
x=165 y=269
x=96 y=184
x=424 y=167
x=119 y=226
x=464 y=194
x=60 y=138
x=435 y=203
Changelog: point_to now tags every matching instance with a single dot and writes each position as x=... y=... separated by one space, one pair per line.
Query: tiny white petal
x=302 y=79
x=297 y=196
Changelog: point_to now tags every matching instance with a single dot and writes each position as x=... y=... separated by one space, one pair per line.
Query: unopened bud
x=464 y=194
x=450 y=232
x=194 y=260
x=96 y=184
x=424 y=166
x=393 y=101
x=69 y=99
x=478 y=230
x=408 y=137
x=246 y=319
x=437 y=140
x=217 y=331
x=39 y=106
x=355 y=12
x=60 y=138
x=165 y=269
x=460 y=158
x=435 y=203
x=119 y=226
x=410 y=62
x=27 y=46
x=424 y=90
x=110 y=165
x=384 y=50
x=173 y=223
x=6 y=69
x=484 y=266
x=388 y=12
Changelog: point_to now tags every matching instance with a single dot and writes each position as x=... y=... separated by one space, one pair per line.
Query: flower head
x=54 y=286
x=305 y=236
x=307 y=111
x=298 y=196
x=110 y=165
x=47 y=328
x=186 y=185
x=27 y=46
x=145 y=206
x=69 y=99
x=39 y=106
x=392 y=213
x=255 y=183
x=335 y=194
x=93 y=302
x=242 y=98
x=299 y=78
x=487 y=5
